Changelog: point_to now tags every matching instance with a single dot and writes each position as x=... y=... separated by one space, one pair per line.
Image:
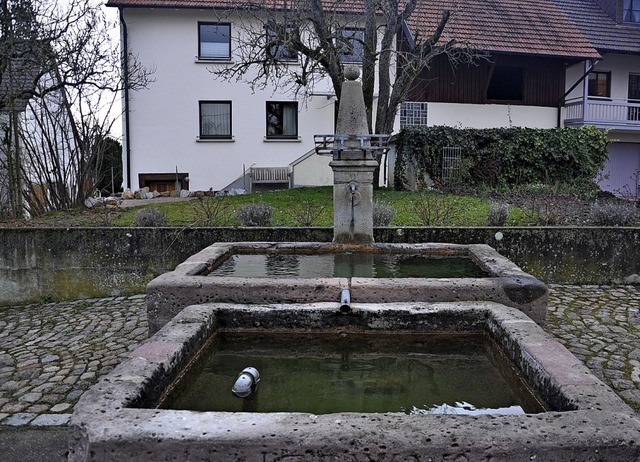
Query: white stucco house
x=191 y=130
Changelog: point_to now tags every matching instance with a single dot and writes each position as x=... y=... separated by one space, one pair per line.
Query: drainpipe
x=578 y=82
x=125 y=65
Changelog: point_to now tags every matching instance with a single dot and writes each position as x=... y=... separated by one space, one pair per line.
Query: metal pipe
x=126 y=110
x=345 y=300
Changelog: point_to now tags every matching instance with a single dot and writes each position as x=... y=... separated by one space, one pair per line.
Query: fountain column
x=353 y=165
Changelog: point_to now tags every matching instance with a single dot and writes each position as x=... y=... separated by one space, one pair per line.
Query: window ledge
x=213 y=61
x=282 y=140
x=215 y=140
x=287 y=62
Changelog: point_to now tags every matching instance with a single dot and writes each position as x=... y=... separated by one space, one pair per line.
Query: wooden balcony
x=603 y=113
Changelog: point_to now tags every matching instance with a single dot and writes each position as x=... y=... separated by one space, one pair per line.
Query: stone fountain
x=120 y=417
x=353 y=164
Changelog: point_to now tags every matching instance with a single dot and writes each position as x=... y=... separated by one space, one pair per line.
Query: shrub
x=305 y=211
x=612 y=213
x=150 y=218
x=436 y=209
x=504 y=156
x=256 y=214
x=498 y=214
x=383 y=213
x=211 y=211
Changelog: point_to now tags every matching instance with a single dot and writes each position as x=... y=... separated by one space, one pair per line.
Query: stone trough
x=189 y=284
x=118 y=418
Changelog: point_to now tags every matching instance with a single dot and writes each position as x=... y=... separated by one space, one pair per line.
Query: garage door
x=621 y=172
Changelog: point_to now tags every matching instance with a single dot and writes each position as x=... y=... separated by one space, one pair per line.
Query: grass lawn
x=314 y=207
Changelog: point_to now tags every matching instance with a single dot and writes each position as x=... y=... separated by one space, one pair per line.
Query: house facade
x=607 y=94
x=541 y=59
x=521 y=79
x=192 y=130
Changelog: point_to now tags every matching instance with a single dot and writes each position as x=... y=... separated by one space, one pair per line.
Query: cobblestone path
x=50 y=354
x=601 y=326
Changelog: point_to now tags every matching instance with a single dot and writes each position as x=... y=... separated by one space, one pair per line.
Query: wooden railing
x=605 y=113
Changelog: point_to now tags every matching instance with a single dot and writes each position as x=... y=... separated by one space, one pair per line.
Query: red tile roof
x=352 y=6
x=535 y=27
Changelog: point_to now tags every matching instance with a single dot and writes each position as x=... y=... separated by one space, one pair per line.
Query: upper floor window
x=215 y=119
x=631 y=11
x=506 y=84
x=352 y=46
x=600 y=84
x=282 y=119
x=214 y=40
x=276 y=43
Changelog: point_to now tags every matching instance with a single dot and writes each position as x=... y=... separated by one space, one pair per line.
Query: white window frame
x=215 y=126
x=219 y=49
x=283 y=53
x=285 y=128
x=356 y=37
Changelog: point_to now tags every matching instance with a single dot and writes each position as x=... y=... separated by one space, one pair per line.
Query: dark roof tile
x=600 y=28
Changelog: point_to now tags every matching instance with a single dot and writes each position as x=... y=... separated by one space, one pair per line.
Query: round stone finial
x=351 y=72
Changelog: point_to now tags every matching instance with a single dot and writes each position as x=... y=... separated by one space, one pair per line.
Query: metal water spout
x=353 y=187
x=247 y=383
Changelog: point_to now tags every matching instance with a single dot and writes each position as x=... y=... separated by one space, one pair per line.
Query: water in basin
x=346 y=372
x=348 y=264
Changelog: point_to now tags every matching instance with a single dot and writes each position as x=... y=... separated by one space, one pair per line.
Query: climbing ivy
x=500 y=157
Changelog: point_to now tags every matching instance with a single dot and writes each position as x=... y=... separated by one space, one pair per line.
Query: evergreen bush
x=611 y=213
x=504 y=157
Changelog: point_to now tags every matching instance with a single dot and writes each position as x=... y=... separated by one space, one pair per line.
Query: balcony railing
x=608 y=113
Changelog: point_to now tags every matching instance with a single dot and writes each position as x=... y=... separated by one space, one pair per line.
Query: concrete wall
x=491 y=115
x=39 y=264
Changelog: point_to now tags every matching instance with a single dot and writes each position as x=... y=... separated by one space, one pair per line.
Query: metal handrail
x=329 y=144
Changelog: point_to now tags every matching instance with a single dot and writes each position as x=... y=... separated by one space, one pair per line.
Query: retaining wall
x=39 y=264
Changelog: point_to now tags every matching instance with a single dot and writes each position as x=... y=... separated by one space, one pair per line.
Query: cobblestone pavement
x=50 y=354
x=601 y=326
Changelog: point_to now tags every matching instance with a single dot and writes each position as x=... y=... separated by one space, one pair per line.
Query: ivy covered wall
x=500 y=157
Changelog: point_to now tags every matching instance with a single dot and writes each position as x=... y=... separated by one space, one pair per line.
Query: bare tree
x=322 y=34
x=59 y=78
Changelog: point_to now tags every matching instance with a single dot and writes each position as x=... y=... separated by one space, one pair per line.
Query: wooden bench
x=270 y=175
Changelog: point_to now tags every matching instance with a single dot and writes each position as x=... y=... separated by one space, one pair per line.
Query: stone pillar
x=353 y=166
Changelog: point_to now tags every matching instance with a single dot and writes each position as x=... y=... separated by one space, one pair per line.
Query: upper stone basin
x=190 y=284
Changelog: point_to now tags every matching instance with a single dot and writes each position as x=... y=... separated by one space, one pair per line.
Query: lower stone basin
x=353 y=371
x=502 y=281
x=118 y=418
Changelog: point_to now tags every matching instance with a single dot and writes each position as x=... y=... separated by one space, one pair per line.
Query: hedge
x=501 y=157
